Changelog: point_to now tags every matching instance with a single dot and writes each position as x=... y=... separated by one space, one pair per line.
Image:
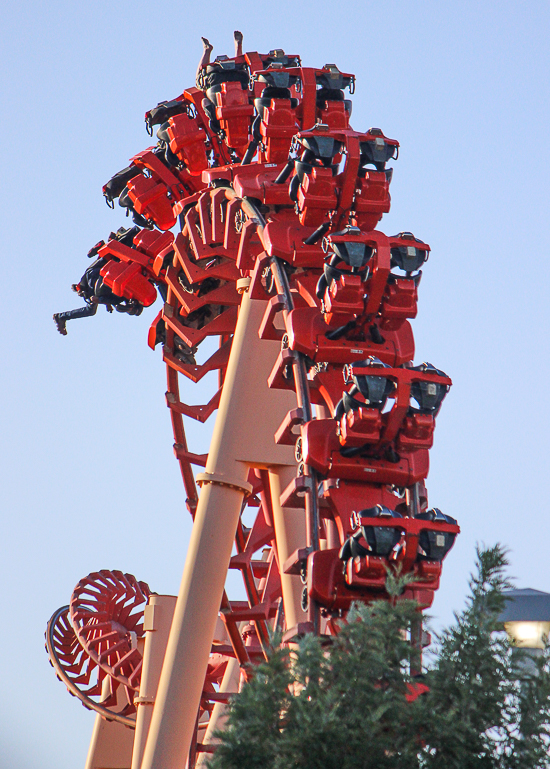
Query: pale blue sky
x=90 y=480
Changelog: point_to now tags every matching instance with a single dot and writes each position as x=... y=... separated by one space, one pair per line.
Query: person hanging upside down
x=205 y=60
x=207 y=50
x=94 y=292
x=238 y=38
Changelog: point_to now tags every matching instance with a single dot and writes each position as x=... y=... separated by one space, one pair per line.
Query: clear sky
x=89 y=478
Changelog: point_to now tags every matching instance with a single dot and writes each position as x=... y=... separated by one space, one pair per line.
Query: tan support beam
x=290 y=531
x=230 y=683
x=248 y=416
x=156 y=623
x=111 y=744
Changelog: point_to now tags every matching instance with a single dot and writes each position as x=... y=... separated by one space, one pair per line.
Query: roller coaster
x=254 y=218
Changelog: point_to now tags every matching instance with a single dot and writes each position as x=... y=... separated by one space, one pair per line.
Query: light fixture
x=526 y=618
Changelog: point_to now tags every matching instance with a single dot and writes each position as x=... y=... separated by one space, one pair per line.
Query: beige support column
x=230 y=683
x=248 y=416
x=290 y=531
x=111 y=743
x=156 y=623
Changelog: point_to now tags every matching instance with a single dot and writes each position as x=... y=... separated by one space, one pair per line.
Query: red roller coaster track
x=255 y=219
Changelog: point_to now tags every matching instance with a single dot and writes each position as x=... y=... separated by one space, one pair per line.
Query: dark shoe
x=185 y=357
x=135 y=308
x=60 y=324
x=130 y=307
x=183 y=352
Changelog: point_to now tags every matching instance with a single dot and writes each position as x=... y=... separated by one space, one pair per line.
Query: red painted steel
x=269 y=182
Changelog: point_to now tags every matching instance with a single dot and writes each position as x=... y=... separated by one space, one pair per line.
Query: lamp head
x=528 y=635
x=526 y=618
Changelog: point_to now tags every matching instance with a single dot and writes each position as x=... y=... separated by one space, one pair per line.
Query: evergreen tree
x=486 y=712
x=346 y=704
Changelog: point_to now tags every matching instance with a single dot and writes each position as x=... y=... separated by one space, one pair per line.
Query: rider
x=207 y=50
x=95 y=292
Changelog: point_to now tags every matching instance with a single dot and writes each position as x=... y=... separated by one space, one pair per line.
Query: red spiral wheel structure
x=108 y=616
x=80 y=674
x=106 y=611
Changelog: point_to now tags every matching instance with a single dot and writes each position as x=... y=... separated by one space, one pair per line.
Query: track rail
x=270 y=191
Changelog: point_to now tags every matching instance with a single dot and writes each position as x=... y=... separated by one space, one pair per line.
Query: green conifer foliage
x=343 y=704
